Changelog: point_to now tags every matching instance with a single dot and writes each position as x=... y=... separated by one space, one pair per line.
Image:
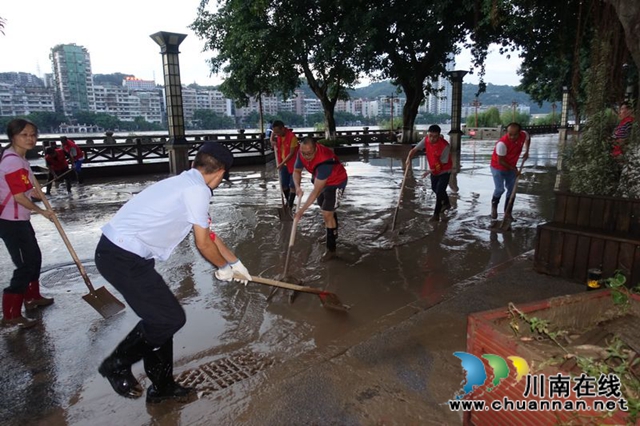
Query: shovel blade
x=104 y=302
x=331 y=301
x=284 y=214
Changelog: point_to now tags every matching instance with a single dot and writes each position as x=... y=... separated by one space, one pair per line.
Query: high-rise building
x=21 y=79
x=440 y=101
x=20 y=101
x=72 y=78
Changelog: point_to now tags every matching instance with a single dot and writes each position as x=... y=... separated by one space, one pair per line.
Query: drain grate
x=224 y=372
x=62 y=274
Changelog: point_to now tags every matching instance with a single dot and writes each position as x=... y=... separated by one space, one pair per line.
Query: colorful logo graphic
x=476 y=374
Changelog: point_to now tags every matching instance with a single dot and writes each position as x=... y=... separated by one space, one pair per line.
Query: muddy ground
x=50 y=373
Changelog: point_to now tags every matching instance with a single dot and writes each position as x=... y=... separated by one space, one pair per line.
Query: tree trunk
x=628 y=12
x=410 y=110
x=261 y=116
x=329 y=120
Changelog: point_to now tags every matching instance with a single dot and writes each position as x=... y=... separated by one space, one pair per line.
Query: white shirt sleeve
x=501 y=149
x=197 y=206
x=420 y=145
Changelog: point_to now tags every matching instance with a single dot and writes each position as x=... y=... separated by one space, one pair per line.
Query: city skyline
x=122 y=31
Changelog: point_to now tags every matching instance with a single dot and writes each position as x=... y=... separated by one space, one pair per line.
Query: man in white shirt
x=149 y=227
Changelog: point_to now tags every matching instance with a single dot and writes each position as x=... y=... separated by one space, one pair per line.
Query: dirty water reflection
x=53 y=369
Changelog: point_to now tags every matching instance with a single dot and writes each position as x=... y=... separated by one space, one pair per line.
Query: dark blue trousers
x=20 y=239
x=143 y=288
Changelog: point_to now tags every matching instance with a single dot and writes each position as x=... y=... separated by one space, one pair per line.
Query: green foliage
x=547 y=120
x=204 y=119
x=432 y=118
x=508 y=117
x=47 y=122
x=591 y=168
x=488 y=118
x=385 y=123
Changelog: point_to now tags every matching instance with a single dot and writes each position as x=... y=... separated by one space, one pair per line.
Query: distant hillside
x=494 y=95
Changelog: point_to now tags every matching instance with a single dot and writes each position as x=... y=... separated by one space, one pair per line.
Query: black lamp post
x=177 y=147
x=455 y=135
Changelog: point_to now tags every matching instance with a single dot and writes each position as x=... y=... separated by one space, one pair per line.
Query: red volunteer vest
x=283 y=144
x=325 y=156
x=71 y=144
x=433 y=152
x=57 y=161
x=513 y=151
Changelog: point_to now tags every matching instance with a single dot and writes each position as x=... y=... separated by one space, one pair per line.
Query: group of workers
x=155 y=221
x=58 y=159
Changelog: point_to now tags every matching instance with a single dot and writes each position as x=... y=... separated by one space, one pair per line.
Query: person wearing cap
x=146 y=228
x=438 y=153
x=329 y=178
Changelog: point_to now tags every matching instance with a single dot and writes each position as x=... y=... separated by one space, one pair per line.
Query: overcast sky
x=116 y=33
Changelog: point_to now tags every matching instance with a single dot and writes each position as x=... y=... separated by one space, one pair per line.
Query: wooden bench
x=590 y=231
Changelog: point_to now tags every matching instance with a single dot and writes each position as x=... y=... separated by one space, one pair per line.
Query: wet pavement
x=234 y=340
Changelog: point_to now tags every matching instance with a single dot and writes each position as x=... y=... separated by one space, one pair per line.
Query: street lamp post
x=514 y=104
x=476 y=104
x=455 y=135
x=177 y=148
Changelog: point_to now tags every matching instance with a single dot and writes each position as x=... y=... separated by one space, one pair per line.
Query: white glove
x=239 y=269
x=224 y=273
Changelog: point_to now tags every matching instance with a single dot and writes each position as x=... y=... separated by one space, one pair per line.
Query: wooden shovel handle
x=63 y=234
x=292 y=237
x=281 y=284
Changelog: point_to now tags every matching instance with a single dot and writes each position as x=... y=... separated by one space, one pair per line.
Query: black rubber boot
x=159 y=367
x=117 y=367
x=494 y=207
x=508 y=208
x=335 y=216
x=332 y=235
x=291 y=199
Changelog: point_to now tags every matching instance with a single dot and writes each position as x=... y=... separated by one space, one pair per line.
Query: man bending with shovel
x=149 y=227
x=329 y=179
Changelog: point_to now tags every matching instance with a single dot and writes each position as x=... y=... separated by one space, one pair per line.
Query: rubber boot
x=117 y=367
x=12 y=312
x=332 y=235
x=335 y=216
x=494 y=207
x=158 y=364
x=33 y=298
x=291 y=199
x=508 y=209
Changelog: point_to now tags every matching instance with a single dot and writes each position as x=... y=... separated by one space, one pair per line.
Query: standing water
x=52 y=370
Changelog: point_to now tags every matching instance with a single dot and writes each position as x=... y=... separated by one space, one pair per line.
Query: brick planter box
x=489 y=333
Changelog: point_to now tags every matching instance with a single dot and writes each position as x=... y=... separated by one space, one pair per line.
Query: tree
x=47 y=121
x=628 y=12
x=411 y=42
x=206 y=119
x=243 y=41
x=320 y=39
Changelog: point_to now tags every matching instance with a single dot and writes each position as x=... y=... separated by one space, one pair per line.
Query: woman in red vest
x=15 y=225
x=438 y=152
x=504 y=165
x=58 y=166
x=329 y=179
x=286 y=147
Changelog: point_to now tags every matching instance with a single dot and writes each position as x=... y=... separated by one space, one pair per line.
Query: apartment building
x=20 y=101
x=73 y=79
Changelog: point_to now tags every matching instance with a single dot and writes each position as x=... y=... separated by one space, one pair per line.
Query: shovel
x=284 y=213
x=329 y=300
x=101 y=300
x=505 y=225
x=404 y=180
x=292 y=239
